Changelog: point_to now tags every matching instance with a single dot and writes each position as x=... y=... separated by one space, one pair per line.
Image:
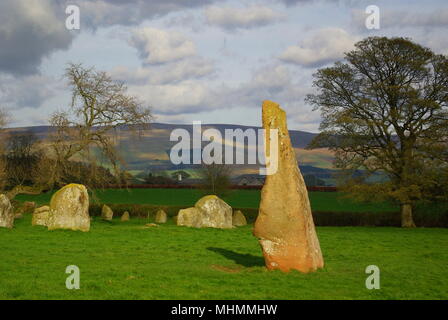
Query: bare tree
x=216 y=179
x=3 y=121
x=98 y=107
x=22 y=158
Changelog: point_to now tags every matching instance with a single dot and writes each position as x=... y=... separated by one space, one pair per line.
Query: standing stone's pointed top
x=284 y=225
x=274 y=117
x=267 y=104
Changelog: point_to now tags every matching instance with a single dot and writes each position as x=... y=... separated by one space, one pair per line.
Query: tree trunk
x=406 y=216
x=23 y=190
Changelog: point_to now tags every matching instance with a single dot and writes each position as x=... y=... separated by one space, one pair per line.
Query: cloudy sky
x=208 y=60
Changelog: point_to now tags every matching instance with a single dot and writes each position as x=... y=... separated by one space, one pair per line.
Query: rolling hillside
x=149 y=150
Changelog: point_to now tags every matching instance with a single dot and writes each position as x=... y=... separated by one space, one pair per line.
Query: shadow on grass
x=246 y=260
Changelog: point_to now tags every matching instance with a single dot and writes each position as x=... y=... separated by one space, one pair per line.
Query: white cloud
x=185 y=97
x=241 y=18
x=99 y=13
x=157 y=46
x=186 y=20
x=273 y=77
x=322 y=47
x=26 y=92
x=190 y=68
x=274 y=82
x=169 y=78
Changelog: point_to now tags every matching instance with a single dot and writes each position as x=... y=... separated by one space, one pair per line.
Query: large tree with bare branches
x=385 y=109
x=216 y=179
x=99 y=105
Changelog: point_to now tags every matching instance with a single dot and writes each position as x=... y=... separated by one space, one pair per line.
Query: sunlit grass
x=127 y=261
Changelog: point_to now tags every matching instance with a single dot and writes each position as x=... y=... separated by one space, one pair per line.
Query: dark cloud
x=33 y=29
x=131 y=12
x=29 y=31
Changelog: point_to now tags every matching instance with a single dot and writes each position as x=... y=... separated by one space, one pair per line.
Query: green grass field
x=320 y=201
x=126 y=261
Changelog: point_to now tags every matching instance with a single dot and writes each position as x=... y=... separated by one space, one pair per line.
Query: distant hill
x=149 y=150
x=299 y=139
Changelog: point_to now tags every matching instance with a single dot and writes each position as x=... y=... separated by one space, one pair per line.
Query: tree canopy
x=385 y=108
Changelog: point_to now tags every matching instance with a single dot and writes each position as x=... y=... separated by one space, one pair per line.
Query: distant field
x=320 y=201
x=127 y=261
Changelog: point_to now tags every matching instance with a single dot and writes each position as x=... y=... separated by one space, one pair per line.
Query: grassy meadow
x=125 y=260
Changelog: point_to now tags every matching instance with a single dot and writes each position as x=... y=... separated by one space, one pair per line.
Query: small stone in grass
x=125 y=216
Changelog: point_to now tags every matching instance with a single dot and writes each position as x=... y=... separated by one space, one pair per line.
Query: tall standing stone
x=6 y=212
x=284 y=225
x=69 y=209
